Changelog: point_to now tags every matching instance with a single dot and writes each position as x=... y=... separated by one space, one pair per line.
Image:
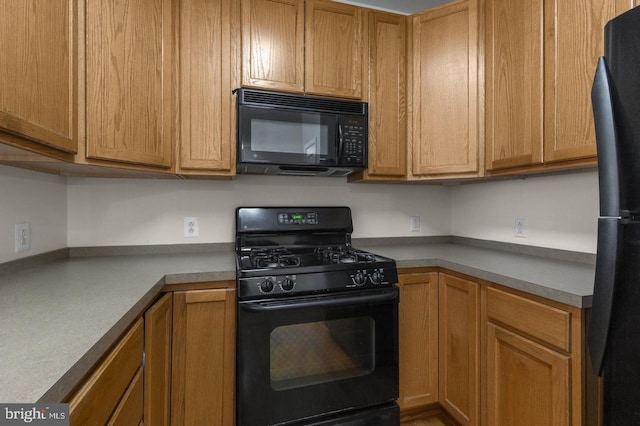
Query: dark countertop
x=60 y=316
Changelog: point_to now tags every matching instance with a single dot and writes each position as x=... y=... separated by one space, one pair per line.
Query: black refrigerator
x=614 y=329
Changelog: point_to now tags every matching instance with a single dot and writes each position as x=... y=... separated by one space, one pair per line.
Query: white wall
x=559 y=211
x=37 y=198
x=104 y=212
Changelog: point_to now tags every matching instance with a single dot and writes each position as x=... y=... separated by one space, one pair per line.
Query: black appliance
x=288 y=134
x=614 y=329
x=317 y=338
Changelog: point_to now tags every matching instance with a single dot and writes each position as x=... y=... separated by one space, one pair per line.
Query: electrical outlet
x=520 y=229
x=191 y=228
x=23 y=237
x=415 y=223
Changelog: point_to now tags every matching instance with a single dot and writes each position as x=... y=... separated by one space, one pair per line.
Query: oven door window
x=287 y=137
x=308 y=354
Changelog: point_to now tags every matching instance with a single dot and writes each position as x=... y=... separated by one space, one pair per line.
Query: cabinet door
x=157 y=371
x=569 y=65
x=333 y=49
x=459 y=319
x=129 y=85
x=514 y=82
x=38 y=70
x=527 y=384
x=418 y=325
x=445 y=90
x=208 y=74
x=387 y=95
x=108 y=388
x=203 y=358
x=273 y=44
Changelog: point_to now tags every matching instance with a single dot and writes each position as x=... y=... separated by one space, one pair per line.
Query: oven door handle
x=325 y=302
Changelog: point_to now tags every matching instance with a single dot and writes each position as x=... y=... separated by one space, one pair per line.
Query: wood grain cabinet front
x=459 y=348
x=38 y=74
x=312 y=46
x=202 y=386
x=129 y=87
x=158 y=336
x=387 y=97
x=536 y=369
x=444 y=136
x=114 y=390
x=208 y=45
x=540 y=60
x=418 y=326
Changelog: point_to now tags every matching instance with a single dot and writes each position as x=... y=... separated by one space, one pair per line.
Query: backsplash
x=37 y=198
x=104 y=212
x=559 y=211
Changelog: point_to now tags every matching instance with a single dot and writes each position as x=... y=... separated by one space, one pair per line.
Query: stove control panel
x=369 y=276
x=298 y=218
x=267 y=286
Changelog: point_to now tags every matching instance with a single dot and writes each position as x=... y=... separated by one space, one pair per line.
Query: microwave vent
x=301 y=102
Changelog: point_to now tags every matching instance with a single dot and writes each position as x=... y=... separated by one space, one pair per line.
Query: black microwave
x=287 y=134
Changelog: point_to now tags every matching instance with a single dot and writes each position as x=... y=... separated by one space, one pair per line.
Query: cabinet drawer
x=96 y=400
x=548 y=324
x=129 y=411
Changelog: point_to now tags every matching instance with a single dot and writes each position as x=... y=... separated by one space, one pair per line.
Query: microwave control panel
x=354 y=141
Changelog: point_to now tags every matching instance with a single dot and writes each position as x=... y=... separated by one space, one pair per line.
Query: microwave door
x=286 y=137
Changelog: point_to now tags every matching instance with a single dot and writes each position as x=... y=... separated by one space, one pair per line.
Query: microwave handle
x=340 y=143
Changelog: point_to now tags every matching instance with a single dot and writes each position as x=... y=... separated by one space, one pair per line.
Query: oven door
x=287 y=137
x=306 y=357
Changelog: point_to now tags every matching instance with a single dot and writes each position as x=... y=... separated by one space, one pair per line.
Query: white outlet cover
x=520 y=228
x=23 y=237
x=191 y=227
x=415 y=223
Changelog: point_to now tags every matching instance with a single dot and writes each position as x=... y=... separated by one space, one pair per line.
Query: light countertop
x=59 y=317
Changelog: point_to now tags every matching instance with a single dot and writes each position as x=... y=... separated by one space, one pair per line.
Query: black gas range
x=289 y=251
x=317 y=323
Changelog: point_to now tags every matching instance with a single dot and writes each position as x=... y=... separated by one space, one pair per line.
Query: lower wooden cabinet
x=459 y=348
x=488 y=355
x=157 y=371
x=534 y=360
x=113 y=392
x=527 y=383
x=418 y=326
x=175 y=366
x=203 y=368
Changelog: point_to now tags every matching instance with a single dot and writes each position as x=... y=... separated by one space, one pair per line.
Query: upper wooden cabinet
x=444 y=109
x=209 y=71
x=570 y=63
x=273 y=44
x=334 y=49
x=514 y=82
x=38 y=72
x=316 y=47
x=387 y=95
x=129 y=83
x=540 y=60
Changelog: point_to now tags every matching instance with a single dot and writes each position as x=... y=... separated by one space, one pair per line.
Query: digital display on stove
x=298 y=218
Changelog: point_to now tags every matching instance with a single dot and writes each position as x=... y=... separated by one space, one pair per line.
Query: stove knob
x=287 y=284
x=376 y=277
x=266 y=286
x=359 y=278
